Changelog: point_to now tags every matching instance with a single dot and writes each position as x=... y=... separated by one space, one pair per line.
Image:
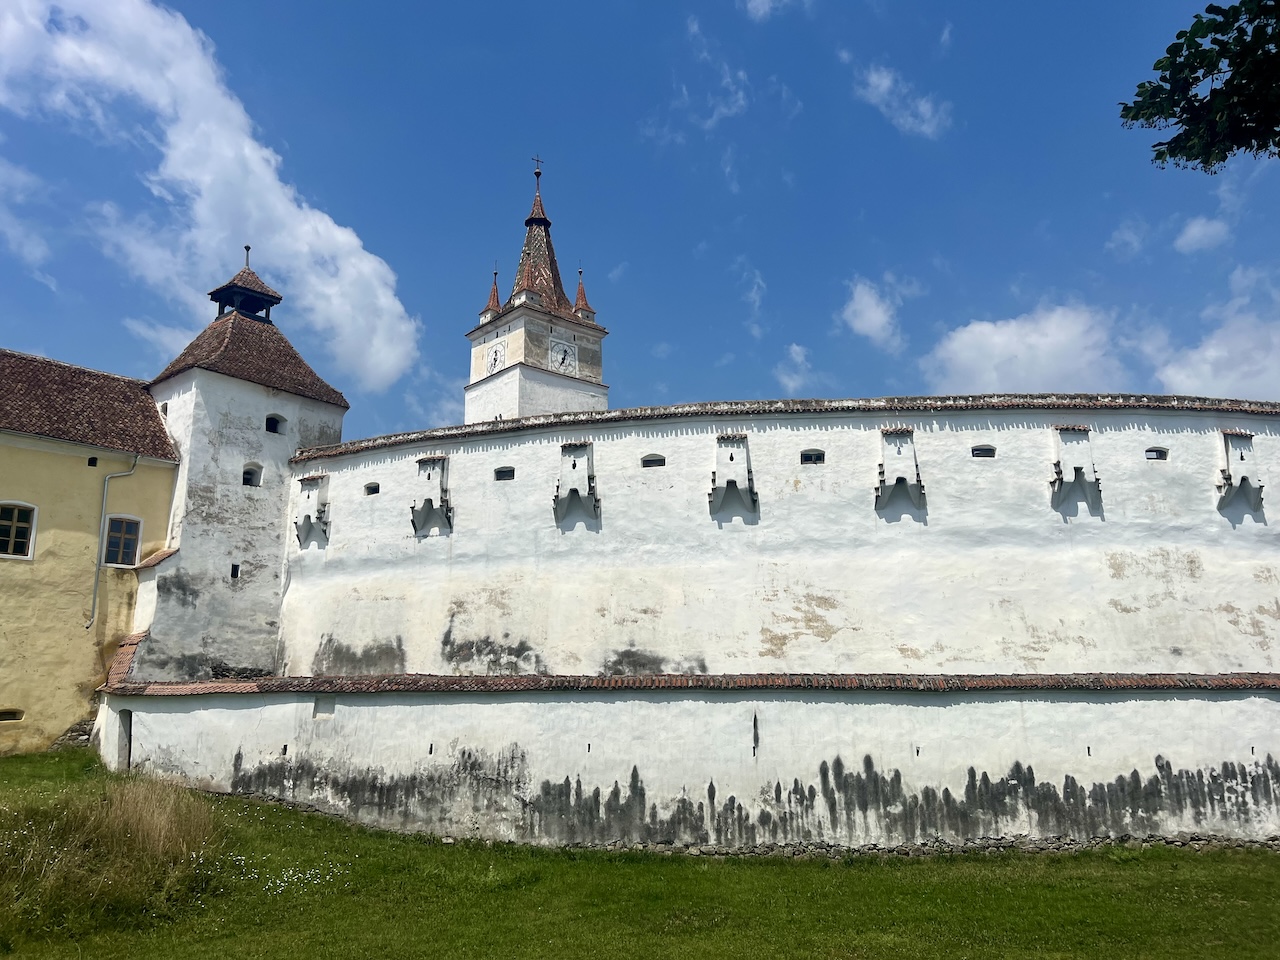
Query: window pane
x=24 y=516
x=6 y=513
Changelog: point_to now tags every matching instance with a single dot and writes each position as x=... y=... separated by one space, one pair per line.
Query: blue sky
x=768 y=198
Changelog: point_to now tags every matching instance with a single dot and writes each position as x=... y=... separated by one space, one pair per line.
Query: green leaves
x=1218 y=88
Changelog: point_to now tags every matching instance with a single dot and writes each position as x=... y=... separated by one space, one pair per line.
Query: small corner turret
x=539 y=352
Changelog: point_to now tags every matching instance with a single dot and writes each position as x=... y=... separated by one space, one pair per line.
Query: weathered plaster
x=986 y=577
x=205 y=622
x=49 y=663
x=734 y=768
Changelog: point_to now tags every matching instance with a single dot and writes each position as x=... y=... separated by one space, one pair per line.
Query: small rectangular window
x=813 y=456
x=122 y=541
x=15 y=529
x=653 y=460
x=235 y=571
x=504 y=473
x=1157 y=453
x=10 y=715
x=372 y=488
x=984 y=451
x=93 y=462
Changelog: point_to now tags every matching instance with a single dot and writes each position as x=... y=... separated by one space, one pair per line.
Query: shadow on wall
x=849 y=807
x=734 y=505
x=897 y=506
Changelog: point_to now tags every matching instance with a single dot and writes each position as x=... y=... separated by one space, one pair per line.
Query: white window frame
x=31 y=541
x=106 y=539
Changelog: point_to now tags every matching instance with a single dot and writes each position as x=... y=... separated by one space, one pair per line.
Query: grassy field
x=95 y=865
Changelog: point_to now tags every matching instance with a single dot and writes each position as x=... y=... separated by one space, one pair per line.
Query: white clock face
x=495 y=358
x=564 y=357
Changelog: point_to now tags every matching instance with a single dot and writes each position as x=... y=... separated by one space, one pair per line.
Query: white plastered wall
x=733 y=767
x=986 y=578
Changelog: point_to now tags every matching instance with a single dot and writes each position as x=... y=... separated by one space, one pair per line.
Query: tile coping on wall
x=745 y=408
x=119 y=684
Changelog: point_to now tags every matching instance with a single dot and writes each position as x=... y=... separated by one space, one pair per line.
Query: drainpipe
x=102 y=533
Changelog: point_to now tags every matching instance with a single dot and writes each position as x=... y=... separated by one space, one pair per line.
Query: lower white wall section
x=730 y=768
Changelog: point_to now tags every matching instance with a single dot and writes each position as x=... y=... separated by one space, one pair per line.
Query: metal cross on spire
x=537 y=168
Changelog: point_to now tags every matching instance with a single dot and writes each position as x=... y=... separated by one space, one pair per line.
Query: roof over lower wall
x=48 y=398
x=881 y=406
x=884 y=682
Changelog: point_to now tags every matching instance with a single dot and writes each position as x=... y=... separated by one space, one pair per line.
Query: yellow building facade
x=72 y=514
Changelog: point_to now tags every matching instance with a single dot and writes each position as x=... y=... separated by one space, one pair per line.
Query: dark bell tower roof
x=246 y=294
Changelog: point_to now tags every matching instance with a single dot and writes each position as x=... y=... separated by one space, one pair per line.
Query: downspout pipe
x=102 y=535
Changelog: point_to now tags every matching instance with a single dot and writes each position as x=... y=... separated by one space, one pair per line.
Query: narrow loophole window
x=1157 y=453
x=370 y=489
x=504 y=473
x=813 y=456
x=235 y=571
x=984 y=451
x=653 y=460
x=9 y=716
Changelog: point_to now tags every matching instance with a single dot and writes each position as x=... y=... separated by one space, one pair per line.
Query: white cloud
x=1202 y=233
x=217 y=186
x=728 y=168
x=753 y=290
x=944 y=41
x=1064 y=347
x=618 y=272
x=872 y=311
x=661 y=350
x=732 y=97
x=21 y=236
x=762 y=10
x=794 y=372
x=888 y=92
x=1127 y=239
x=1240 y=356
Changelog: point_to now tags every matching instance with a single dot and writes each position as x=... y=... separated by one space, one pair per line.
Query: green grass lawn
x=272 y=882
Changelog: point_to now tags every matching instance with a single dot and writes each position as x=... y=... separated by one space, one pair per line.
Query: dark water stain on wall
x=488 y=796
x=488 y=656
x=178 y=587
x=336 y=659
x=632 y=662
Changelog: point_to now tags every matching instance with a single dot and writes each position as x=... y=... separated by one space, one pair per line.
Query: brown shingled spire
x=494 y=305
x=538 y=271
x=580 y=305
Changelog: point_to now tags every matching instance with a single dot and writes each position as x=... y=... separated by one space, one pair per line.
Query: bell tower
x=537 y=352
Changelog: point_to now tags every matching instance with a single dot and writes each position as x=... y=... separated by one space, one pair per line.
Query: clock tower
x=537 y=352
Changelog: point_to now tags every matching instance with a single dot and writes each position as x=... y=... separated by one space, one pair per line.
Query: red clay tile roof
x=157 y=558
x=122 y=662
x=47 y=398
x=250 y=281
x=581 y=302
x=255 y=350
x=924 y=683
x=494 y=303
x=886 y=406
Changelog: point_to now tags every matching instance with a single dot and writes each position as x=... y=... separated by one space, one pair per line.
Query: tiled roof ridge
x=76 y=366
x=525 y=683
x=874 y=405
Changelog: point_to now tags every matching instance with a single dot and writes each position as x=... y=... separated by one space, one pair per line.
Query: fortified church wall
x=858 y=621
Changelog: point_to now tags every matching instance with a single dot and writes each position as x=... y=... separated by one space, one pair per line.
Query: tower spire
x=538 y=273
x=495 y=304
x=580 y=305
x=246 y=294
